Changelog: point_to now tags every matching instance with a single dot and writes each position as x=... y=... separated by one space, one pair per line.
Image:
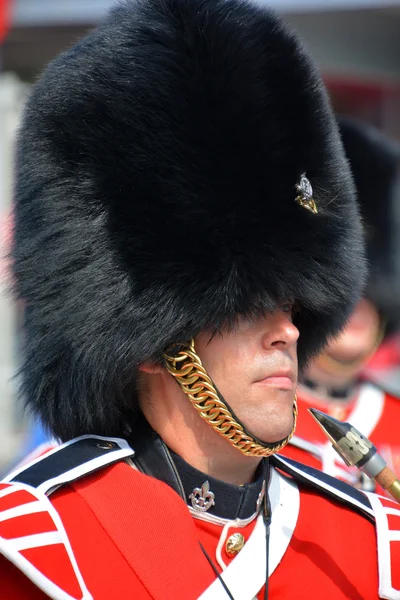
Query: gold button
x=234 y=544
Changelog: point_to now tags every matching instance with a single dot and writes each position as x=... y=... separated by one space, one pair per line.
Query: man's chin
x=346 y=359
x=270 y=435
x=268 y=420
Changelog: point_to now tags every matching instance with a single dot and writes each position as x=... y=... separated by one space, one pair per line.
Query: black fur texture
x=155 y=198
x=375 y=164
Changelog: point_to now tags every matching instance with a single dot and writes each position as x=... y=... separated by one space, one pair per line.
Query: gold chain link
x=186 y=367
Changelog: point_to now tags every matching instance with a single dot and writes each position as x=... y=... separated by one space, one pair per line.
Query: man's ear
x=152 y=368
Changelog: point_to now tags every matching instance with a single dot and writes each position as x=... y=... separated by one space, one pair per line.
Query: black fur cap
x=375 y=161
x=155 y=198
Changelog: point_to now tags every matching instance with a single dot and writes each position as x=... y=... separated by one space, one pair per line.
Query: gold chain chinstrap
x=185 y=366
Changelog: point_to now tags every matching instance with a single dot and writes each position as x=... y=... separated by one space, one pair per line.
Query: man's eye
x=288 y=307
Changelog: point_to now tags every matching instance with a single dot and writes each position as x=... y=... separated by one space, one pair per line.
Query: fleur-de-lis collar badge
x=305 y=197
x=202 y=498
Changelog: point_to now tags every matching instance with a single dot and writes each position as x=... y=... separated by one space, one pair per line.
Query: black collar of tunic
x=154 y=458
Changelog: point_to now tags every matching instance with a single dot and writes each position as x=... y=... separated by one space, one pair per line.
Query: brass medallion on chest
x=234 y=544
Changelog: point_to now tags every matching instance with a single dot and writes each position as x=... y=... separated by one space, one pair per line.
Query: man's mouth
x=283 y=380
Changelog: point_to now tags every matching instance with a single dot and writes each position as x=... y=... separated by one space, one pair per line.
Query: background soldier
x=184 y=211
x=335 y=383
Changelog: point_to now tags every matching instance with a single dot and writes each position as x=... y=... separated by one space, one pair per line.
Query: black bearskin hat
x=374 y=162
x=156 y=198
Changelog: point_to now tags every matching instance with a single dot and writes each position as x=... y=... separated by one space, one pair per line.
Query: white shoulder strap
x=387 y=514
x=246 y=574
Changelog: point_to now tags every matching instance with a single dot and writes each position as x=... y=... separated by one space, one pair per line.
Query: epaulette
x=71 y=461
x=326 y=484
x=24 y=494
x=383 y=511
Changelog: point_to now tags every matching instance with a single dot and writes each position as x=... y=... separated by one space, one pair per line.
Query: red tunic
x=133 y=537
x=373 y=412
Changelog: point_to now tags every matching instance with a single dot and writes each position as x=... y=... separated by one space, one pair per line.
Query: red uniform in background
x=5 y=18
x=372 y=411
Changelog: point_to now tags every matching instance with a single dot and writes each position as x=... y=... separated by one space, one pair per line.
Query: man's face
x=359 y=336
x=254 y=366
x=351 y=349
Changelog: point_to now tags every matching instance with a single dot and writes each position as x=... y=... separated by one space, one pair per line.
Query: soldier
x=336 y=382
x=184 y=212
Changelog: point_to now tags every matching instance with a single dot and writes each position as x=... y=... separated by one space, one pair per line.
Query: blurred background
x=355 y=42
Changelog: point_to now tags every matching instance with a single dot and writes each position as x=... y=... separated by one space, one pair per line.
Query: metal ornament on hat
x=305 y=197
x=182 y=362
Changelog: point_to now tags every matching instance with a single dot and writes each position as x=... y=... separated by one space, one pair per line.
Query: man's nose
x=282 y=332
